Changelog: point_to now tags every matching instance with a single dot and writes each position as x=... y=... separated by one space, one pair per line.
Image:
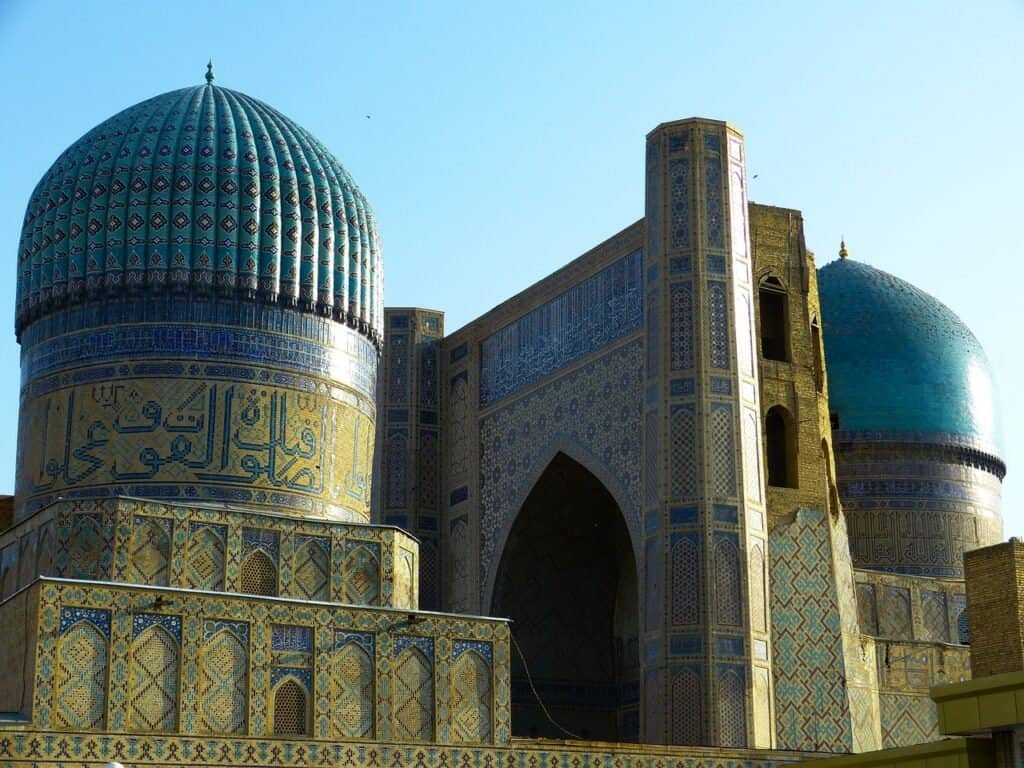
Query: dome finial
x=209 y=72
x=842 y=248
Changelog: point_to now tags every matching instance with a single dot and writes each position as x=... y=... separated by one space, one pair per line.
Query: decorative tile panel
x=585 y=318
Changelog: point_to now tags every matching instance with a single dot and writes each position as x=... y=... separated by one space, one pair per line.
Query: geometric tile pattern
x=259 y=575
x=894 y=613
x=299 y=236
x=934 y=618
x=806 y=638
x=686 y=585
x=732 y=724
x=589 y=315
x=361 y=571
x=867 y=615
x=684 y=452
x=355 y=673
x=205 y=560
x=687 y=708
x=290 y=709
x=907 y=720
x=312 y=570
x=150 y=552
x=682 y=326
x=413 y=705
x=719 y=325
x=153 y=690
x=53 y=748
x=352 y=677
x=207 y=545
x=224 y=684
x=723 y=458
x=727 y=584
x=679 y=174
x=595 y=408
x=471 y=699
x=81 y=679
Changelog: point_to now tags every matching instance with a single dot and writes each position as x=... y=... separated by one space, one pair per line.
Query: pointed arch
x=153 y=686
x=780 y=447
x=686 y=582
x=687 y=709
x=259 y=574
x=291 y=708
x=352 y=712
x=150 y=554
x=471 y=699
x=223 y=685
x=413 y=705
x=568 y=577
x=361 y=576
x=80 y=699
x=727 y=583
x=560 y=445
x=204 y=567
x=773 y=312
x=732 y=723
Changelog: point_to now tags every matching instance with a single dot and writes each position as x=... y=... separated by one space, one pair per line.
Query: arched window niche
x=773 y=306
x=780 y=448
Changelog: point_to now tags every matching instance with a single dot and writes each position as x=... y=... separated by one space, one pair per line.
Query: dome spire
x=842 y=248
x=209 y=72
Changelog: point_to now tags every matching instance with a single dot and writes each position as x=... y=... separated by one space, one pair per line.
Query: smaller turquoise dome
x=901 y=363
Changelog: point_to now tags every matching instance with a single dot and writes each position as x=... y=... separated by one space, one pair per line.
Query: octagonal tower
x=199 y=311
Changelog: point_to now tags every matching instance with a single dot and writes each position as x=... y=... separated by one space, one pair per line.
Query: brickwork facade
x=993 y=573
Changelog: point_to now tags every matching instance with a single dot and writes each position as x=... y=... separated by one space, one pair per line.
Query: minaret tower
x=707 y=655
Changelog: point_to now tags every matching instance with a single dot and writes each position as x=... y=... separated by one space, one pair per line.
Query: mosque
x=688 y=499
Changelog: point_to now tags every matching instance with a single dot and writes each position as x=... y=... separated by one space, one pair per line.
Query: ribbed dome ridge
x=201 y=190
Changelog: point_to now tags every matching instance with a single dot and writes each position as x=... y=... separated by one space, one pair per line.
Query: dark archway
x=567 y=579
x=780 y=443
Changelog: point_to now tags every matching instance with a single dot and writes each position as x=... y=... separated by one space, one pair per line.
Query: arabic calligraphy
x=224 y=433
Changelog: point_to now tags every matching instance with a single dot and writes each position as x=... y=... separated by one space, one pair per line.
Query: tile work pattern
x=201 y=189
x=51 y=749
x=809 y=668
x=592 y=414
x=209 y=549
x=588 y=316
x=914 y=508
x=231 y=671
x=191 y=432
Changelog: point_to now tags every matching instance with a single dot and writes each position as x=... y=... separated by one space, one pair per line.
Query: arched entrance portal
x=567 y=579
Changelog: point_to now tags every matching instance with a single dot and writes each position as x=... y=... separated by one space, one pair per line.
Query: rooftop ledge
x=980 y=705
x=948 y=753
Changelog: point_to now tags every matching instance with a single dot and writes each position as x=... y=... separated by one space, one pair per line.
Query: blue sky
x=504 y=140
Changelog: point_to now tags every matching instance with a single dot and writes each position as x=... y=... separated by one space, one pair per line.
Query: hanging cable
x=536 y=695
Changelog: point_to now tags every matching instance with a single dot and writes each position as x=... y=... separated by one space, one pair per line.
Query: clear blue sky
x=506 y=139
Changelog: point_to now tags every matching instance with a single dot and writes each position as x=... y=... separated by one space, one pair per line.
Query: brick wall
x=995 y=608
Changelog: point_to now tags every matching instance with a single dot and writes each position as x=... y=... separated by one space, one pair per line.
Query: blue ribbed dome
x=202 y=190
x=901 y=363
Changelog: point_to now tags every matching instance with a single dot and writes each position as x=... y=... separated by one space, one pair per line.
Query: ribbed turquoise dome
x=202 y=190
x=901 y=363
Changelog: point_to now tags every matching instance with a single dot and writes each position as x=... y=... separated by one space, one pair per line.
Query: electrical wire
x=544 y=709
